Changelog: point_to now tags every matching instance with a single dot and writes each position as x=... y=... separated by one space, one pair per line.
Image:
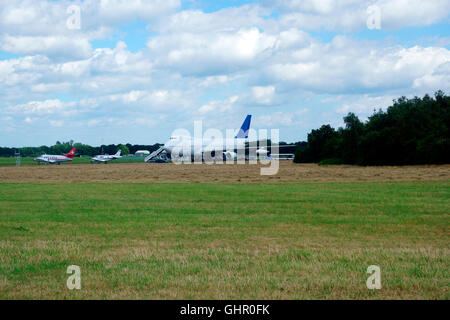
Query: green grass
x=192 y=241
x=27 y=161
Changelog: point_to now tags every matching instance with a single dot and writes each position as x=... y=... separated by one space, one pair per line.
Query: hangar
x=142 y=153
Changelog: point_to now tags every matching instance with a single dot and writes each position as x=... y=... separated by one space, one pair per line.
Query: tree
x=124 y=149
x=411 y=131
x=321 y=145
x=351 y=137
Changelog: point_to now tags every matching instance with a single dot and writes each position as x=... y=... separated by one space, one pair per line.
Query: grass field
x=117 y=172
x=225 y=241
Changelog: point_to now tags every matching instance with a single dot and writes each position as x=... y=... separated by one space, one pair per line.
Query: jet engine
x=228 y=155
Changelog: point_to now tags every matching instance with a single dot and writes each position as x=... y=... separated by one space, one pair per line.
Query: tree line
x=410 y=131
x=81 y=149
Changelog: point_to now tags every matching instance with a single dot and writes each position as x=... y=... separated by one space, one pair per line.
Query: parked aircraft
x=262 y=152
x=50 y=158
x=180 y=146
x=105 y=157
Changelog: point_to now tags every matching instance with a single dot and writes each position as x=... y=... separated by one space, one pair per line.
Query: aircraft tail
x=118 y=153
x=243 y=131
x=71 y=153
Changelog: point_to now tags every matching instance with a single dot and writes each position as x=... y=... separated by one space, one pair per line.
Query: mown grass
x=225 y=241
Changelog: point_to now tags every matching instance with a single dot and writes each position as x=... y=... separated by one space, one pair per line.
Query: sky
x=133 y=71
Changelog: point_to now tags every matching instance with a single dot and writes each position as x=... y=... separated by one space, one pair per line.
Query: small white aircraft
x=51 y=158
x=223 y=148
x=262 y=152
x=106 y=157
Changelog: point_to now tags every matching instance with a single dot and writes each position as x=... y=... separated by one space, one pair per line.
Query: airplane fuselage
x=203 y=145
x=106 y=157
x=53 y=158
x=49 y=158
x=185 y=145
x=103 y=158
x=181 y=146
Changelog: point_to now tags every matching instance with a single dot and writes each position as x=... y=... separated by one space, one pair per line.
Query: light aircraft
x=50 y=158
x=180 y=146
x=105 y=157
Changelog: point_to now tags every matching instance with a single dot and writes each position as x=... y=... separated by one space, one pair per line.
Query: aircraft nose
x=167 y=147
x=168 y=144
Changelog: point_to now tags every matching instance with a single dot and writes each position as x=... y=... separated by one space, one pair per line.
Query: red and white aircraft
x=50 y=158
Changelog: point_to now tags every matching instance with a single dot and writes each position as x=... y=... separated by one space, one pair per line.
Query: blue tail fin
x=243 y=131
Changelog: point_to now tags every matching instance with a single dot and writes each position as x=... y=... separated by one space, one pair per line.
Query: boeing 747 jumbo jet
x=105 y=158
x=50 y=158
x=180 y=146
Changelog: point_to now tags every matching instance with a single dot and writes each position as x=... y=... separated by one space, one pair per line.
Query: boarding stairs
x=154 y=154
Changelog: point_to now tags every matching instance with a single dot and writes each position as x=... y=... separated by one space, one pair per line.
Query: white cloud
x=280 y=119
x=56 y=123
x=346 y=66
x=146 y=122
x=120 y=11
x=69 y=48
x=213 y=81
x=155 y=100
x=218 y=106
x=351 y=15
x=39 y=27
x=263 y=95
x=93 y=123
x=210 y=53
x=200 y=65
x=50 y=87
x=402 y=13
x=41 y=107
x=99 y=74
x=30 y=17
x=119 y=60
x=365 y=105
x=224 y=20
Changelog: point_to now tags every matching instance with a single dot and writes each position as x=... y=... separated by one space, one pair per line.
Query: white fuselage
x=185 y=145
x=202 y=148
x=104 y=158
x=51 y=158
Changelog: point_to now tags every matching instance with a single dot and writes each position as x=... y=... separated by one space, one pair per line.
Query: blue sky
x=135 y=71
